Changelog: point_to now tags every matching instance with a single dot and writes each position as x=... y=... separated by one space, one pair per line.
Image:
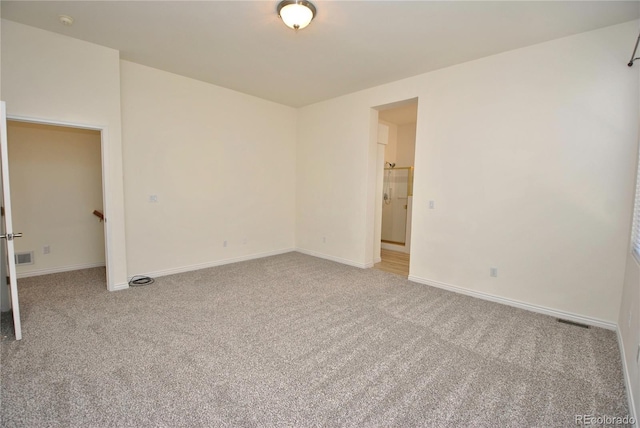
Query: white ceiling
x=350 y=45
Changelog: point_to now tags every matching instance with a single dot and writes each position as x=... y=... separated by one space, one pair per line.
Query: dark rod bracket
x=99 y=215
x=633 y=55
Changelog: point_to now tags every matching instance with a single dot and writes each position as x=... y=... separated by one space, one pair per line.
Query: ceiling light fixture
x=296 y=14
x=66 y=20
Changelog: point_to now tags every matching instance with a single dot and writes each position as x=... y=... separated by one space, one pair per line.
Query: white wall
x=56 y=183
x=221 y=163
x=391 y=148
x=331 y=180
x=406 y=153
x=528 y=156
x=47 y=76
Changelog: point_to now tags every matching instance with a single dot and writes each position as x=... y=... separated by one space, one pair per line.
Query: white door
x=9 y=235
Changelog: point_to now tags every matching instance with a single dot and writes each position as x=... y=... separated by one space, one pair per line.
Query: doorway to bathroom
x=398 y=123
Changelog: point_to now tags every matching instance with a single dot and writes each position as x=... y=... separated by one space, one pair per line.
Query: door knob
x=10 y=236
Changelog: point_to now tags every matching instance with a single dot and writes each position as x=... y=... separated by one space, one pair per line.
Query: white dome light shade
x=296 y=14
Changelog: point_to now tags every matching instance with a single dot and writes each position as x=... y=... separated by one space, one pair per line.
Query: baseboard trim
x=335 y=259
x=518 y=304
x=377 y=260
x=118 y=287
x=627 y=379
x=215 y=263
x=48 y=271
x=395 y=247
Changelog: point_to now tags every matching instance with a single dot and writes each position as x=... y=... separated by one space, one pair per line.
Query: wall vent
x=24 y=258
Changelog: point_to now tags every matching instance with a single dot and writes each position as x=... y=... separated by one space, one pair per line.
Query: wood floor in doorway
x=394 y=262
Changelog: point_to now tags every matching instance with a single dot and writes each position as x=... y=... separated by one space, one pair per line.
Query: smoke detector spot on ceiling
x=66 y=20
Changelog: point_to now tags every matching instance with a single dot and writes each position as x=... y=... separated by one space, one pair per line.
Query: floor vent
x=577 y=324
x=24 y=258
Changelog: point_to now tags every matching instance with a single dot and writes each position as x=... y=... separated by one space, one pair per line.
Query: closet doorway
x=57 y=197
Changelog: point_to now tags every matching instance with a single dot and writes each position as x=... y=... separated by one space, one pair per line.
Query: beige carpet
x=293 y=340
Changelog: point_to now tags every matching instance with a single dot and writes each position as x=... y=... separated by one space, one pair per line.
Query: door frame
x=376 y=170
x=106 y=185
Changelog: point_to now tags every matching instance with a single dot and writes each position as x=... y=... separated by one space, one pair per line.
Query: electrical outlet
x=432 y=205
x=46 y=249
x=224 y=243
x=493 y=272
x=324 y=239
x=153 y=198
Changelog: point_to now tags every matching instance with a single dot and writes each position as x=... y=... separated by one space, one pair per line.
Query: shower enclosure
x=397 y=197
